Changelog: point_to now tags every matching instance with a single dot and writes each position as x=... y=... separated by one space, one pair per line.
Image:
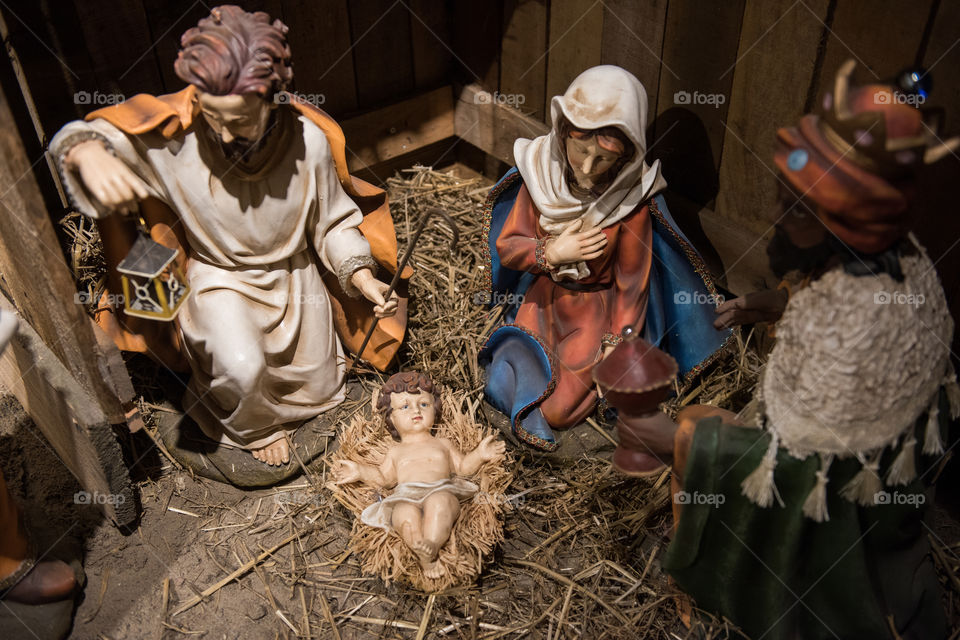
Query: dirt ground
x=184 y=544
x=195 y=532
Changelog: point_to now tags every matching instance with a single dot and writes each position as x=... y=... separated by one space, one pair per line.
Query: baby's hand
x=489 y=450
x=346 y=472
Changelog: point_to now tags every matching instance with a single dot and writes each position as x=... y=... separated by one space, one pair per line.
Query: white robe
x=258 y=326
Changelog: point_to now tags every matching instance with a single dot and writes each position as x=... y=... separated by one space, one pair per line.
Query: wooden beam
x=37 y=279
x=399 y=129
x=70 y=420
x=493 y=127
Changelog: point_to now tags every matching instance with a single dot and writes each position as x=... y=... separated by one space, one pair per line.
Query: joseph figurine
x=280 y=241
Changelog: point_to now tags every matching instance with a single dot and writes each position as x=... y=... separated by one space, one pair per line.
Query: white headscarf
x=602 y=96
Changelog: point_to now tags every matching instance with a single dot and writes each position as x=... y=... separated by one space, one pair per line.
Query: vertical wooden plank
x=772 y=75
x=477 y=29
x=576 y=34
x=168 y=20
x=69 y=419
x=883 y=40
x=53 y=59
x=942 y=61
x=35 y=275
x=937 y=225
x=322 y=57
x=695 y=84
x=430 y=33
x=633 y=38
x=121 y=50
x=382 y=52
x=523 y=56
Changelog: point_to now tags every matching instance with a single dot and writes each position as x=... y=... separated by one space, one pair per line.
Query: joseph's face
x=588 y=160
x=236 y=119
x=412 y=412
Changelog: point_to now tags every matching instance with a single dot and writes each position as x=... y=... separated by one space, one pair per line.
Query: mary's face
x=588 y=160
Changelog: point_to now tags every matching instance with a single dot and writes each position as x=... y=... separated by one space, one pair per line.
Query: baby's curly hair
x=405 y=382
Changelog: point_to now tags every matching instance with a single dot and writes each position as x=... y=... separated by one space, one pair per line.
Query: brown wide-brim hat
x=862 y=209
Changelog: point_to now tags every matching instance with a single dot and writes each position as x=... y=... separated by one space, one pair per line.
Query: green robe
x=780 y=575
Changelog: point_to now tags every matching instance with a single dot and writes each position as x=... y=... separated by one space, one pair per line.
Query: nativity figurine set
x=285 y=257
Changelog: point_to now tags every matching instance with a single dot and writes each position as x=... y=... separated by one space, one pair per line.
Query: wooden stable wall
x=349 y=56
x=770 y=60
x=385 y=68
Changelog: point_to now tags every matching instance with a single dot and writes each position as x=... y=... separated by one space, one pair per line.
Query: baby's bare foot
x=432 y=570
x=425 y=550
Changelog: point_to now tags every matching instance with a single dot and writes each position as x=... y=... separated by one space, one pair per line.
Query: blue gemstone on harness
x=797 y=159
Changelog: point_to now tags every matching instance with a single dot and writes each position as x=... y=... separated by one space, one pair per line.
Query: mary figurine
x=581 y=243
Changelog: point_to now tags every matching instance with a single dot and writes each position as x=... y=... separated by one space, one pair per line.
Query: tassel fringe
x=759 y=487
x=953 y=394
x=815 y=506
x=932 y=444
x=864 y=486
x=904 y=467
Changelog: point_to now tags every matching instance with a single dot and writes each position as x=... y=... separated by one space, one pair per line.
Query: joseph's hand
x=374 y=290
x=106 y=177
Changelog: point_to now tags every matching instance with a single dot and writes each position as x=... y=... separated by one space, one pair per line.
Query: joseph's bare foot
x=275 y=454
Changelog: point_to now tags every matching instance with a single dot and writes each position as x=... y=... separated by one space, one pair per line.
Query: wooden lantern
x=153 y=286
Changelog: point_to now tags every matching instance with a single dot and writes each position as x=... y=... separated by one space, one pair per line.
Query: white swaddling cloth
x=380 y=513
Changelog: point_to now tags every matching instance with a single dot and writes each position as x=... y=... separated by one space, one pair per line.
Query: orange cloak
x=171 y=115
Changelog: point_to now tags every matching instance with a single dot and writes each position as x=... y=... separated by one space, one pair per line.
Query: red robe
x=571 y=324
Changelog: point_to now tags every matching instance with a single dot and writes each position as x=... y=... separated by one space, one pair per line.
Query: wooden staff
x=433 y=211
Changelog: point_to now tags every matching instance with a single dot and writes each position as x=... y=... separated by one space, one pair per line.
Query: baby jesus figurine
x=424 y=469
